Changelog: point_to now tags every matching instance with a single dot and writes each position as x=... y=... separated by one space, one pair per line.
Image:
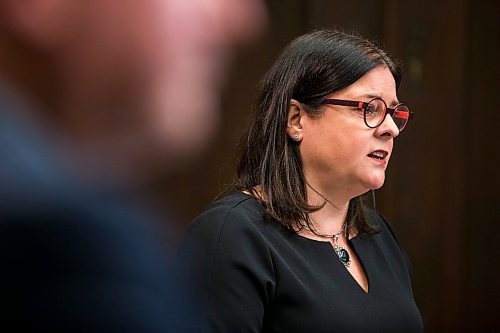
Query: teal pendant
x=343 y=255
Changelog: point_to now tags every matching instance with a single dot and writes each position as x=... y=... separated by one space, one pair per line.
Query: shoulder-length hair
x=309 y=69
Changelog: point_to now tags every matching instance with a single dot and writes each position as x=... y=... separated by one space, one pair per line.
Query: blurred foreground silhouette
x=90 y=92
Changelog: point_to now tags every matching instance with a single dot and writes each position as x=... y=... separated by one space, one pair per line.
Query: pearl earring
x=296 y=137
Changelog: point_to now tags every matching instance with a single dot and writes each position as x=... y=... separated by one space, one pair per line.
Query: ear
x=294 y=128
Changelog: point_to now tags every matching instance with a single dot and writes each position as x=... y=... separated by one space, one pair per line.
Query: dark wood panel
x=483 y=165
x=428 y=170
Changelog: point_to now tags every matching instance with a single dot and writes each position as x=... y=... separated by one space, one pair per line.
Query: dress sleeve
x=229 y=268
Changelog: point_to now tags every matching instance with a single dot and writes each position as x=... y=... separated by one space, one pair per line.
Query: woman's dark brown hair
x=308 y=70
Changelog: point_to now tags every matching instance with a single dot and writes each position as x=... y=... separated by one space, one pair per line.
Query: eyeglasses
x=375 y=111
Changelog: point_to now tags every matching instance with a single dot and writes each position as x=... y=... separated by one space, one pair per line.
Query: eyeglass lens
x=376 y=111
x=400 y=116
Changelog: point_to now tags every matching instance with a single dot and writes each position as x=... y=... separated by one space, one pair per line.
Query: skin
x=127 y=83
x=335 y=148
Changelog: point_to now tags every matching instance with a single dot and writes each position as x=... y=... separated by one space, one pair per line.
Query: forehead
x=378 y=82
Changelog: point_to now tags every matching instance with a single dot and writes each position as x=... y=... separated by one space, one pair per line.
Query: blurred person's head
x=125 y=77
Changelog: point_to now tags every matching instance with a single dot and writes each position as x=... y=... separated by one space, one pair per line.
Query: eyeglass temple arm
x=356 y=104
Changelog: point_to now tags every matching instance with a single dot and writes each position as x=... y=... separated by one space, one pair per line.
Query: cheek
x=345 y=142
x=351 y=154
x=326 y=150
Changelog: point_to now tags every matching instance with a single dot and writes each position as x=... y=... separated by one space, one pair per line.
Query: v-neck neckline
x=354 y=249
x=351 y=242
x=362 y=267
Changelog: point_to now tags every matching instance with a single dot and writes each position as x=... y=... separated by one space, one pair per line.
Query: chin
x=376 y=187
x=375 y=183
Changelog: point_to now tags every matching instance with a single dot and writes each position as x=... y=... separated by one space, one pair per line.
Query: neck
x=331 y=218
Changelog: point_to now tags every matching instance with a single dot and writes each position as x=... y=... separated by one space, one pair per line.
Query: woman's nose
x=387 y=128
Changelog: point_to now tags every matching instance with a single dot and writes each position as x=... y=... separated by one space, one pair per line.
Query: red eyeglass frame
x=364 y=105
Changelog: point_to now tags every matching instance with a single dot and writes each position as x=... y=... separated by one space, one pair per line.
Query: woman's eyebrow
x=371 y=96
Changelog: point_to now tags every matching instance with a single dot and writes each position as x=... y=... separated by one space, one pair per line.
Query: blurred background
x=441 y=187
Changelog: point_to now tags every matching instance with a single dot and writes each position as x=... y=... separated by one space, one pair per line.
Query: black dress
x=255 y=276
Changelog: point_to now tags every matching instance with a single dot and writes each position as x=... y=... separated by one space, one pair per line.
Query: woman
x=293 y=249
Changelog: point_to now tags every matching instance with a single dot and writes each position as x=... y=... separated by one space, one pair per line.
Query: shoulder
x=227 y=264
x=235 y=204
x=387 y=240
x=234 y=213
x=229 y=230
x=381 y=223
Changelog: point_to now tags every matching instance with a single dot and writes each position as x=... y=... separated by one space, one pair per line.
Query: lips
x=379 y=155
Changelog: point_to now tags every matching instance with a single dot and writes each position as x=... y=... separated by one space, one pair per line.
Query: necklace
x=339 y=249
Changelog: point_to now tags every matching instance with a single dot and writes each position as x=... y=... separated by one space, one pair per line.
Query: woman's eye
x=369 y=110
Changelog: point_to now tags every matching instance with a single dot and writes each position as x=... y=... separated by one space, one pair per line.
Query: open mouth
x=378 y=154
